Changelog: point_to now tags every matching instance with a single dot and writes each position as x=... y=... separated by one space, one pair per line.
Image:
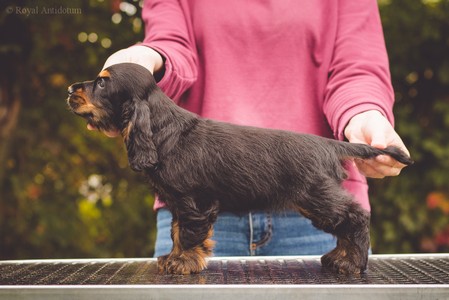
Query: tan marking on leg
x=177 y=249
x=186 y=261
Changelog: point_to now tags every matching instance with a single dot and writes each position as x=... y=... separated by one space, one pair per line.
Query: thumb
x=378 y=140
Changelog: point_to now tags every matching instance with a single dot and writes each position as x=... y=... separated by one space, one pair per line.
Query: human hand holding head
x=138 y=54
x=372 y=128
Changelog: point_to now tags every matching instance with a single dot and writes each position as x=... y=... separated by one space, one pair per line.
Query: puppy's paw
x=161 y=263
x=186 y=263
x=343 y=261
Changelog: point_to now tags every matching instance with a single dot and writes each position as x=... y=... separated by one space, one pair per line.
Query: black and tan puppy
x=200 y=167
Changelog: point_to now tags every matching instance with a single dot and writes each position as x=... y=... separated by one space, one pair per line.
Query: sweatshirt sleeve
x=359 y=75
x=167 y=31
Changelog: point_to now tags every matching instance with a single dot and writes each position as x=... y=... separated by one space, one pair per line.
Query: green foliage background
x=411 y=212
x=68 y=192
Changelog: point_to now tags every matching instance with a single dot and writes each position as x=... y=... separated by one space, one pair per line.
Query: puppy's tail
x=353 y=150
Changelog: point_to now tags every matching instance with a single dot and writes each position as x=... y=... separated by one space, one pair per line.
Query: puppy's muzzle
x=75 y=100
x=74 y=87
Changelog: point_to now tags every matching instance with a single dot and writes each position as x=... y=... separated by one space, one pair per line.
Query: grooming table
x=387 y=277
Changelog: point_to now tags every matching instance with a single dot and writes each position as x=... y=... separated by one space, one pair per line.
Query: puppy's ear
x=138 y=136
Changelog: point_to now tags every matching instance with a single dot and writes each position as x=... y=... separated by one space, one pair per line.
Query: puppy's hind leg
x=353 y=241
x=192 y=229
x=334 y=210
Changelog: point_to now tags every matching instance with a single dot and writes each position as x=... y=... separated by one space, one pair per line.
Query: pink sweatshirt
x=304 y=66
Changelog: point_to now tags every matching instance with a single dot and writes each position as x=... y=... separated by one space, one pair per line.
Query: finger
x=122 y=56
x=378 y=140
x=392 y=168
x=388 y=161
x=356 y=140
x=371 y=168
x=113 y=60
x=367 y=170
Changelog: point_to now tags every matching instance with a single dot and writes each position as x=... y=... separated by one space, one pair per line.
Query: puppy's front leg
x=192 y=230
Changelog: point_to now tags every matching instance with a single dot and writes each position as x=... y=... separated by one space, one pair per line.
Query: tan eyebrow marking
x=104 y=73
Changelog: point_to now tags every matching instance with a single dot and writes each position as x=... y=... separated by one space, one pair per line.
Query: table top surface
x=301 y=270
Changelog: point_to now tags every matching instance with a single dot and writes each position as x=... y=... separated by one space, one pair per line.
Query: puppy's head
x=118 y=100
x=104 y=101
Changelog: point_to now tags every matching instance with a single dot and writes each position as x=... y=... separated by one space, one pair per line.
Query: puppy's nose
x=74 y=87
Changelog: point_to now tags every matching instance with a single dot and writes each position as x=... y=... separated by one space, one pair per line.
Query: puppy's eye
x=100 y=83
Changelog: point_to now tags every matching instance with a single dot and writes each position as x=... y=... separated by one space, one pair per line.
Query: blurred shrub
x=65 y=192
x=410 y=212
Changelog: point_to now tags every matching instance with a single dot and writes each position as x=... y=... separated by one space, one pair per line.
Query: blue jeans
x=256 y=233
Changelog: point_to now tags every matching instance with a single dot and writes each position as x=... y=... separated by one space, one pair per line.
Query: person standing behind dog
x=317 y=67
